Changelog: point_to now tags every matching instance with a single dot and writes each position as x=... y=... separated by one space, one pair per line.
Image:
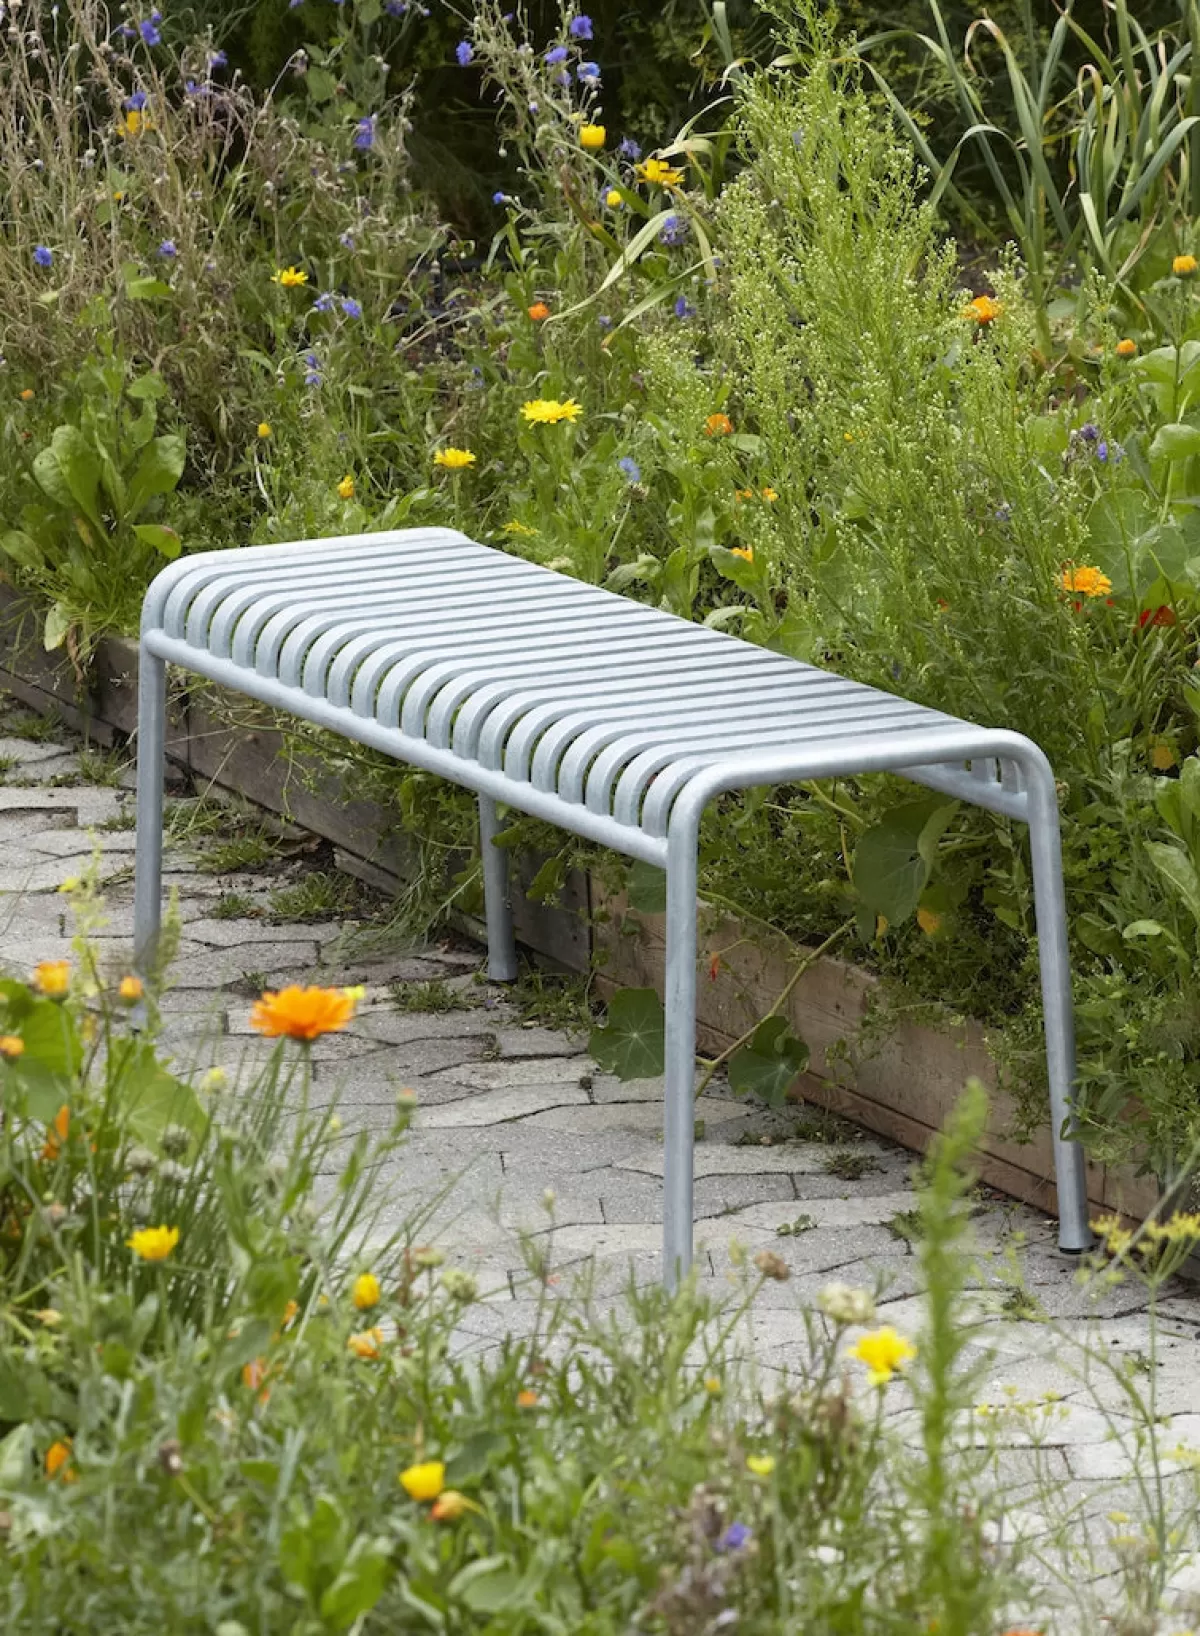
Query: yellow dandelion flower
x=883 y=1351
x=366 y=1291
x=549 y=411
x=613 y=199
x=153 y=1243
x=11 y=1046
x=515 y=527
x=746 y=552
x=130 y=989
x=659 y=173
x=929 y=921
x=424 y=1481
x=1183 y=266
x=53 y=977
x=593 y=137
x=454 y=459
x=264 y=428
x=761 y=1465
x=346 y=487
x=291 y=278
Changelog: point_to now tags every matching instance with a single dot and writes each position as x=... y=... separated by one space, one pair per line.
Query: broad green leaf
x=632 y=1044
x=164 y=540
x=770 y=1063
x=1178 y=871
x=320 y=84
x=1175 y=442
x=149 y=387
x=146 y=289
x=158 y=471
x=1144 y=928
x=49 y=478
x=80 y=468
x=743 y=573
x=22 y=548
x=485 y=1586
x=16 y=1458
x=359 y=1584
x=647 y=888
x=54 y=632
x=893 y=858
x=148 y=1097
x=646 y=568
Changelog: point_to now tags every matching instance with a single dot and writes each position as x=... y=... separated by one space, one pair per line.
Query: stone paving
x=510 y=1109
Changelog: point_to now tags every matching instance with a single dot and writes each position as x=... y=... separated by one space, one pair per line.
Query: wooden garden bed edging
x=902 y=1086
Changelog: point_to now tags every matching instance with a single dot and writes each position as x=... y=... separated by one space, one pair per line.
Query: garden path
x=508 y=1109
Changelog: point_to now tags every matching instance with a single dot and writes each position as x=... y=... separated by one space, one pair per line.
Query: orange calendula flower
x=539 y=312
x=291 y=278
x=53 y=977
x=450 y=1505
x=527 y=1398
x=27 y=395
x=1183 y=266
x=58 y=1457
x=1126 y=348
x=366 y=1343
x=56 y=1134
x=290 y=1312
x=549 y=411
x=424 y=1481
x=454 y=459
x=658 y=172
x=130 y=989
x=302 y=1013
x=153 y=1243
x=254 y=1373
x=746 y=552
x=1085 y=581
x=592 y=137
x=985 y=309
x=770 y=495
x=11 y=1046
x=718 y=425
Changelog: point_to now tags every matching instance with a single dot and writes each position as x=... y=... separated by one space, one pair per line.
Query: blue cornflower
x=218 y=59
x=312 y=375
x=604 y=321
x=351 y=307
x=580 y=28
x=684 y=308
x=674 y=230
x=395 y=8
x=589 y=73
x=533 y=107
x=346 y=240
x=555 y=55
x=1089 y=431
x=135 y=103
x=150 y=32
x=1004 y=512
x=630 y=467
x=292 y=4
x=499 y=198
x=734 y=1538
x=324 y=302
x=168 y=248
x=43 y=255
x=364 y=133
x=193 y=89
x=629 y=149
x=464 y=51
x=127 y=31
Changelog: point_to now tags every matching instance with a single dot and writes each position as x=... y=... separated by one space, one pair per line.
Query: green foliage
x=632 y=1042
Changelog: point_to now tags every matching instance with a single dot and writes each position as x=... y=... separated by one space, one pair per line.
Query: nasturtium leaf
x=894 y=857
x=768 y=1065
x=632 y=1044
x=647 y=888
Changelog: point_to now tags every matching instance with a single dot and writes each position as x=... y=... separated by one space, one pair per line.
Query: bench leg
x=502 y=949
x=680 y=1085
x=1051 y=911
x=151 y=738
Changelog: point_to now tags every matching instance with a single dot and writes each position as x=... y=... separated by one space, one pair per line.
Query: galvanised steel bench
x=613 y=720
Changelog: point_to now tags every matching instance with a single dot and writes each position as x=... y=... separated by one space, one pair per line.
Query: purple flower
x=149 y=31
x=351 y=307
x=533 y=107
x=684 y=308
x=292 y=4
x=193 y=89
x=395 y=8
x=324 y=302
x=127 y=31
x=630 y=467
x=589 y=73
x=674 y=230
x=580 y=28
x=169 y=249
x=629 y=149
x=43 y=255
x=346 y=240
x=464 y=51
x=364 y=133
x=604 y=321
x=1089 y=431
x=217 y=59
x=1004 y=512
x=735 y=1537
x=555 y=55
x=312 y=375
x=499 y=198
x=135 y=103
